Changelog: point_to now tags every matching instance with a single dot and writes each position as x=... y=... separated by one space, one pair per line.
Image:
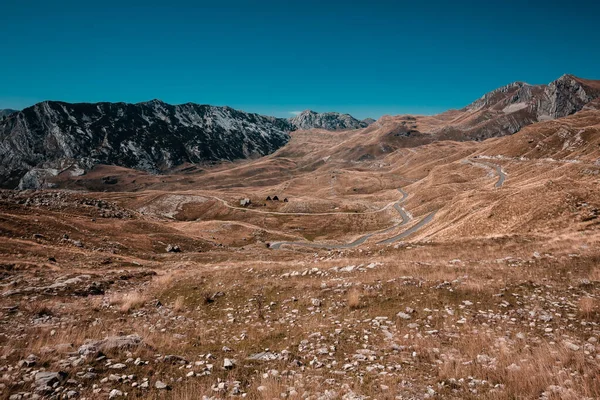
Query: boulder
x=44 y=380
x=93 y=347
x=173 y=248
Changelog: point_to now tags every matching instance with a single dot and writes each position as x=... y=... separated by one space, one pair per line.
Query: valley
x=412 y=257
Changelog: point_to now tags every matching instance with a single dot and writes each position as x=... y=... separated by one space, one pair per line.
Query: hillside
x=52 y=137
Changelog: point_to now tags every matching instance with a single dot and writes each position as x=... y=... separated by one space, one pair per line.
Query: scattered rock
x=115 y=393
x=94 y=347
x=161 y=385
x=45 y=380
x=403 y=315
x=173 y=248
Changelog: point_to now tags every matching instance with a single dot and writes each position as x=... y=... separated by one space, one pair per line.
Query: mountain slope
x=51 y=137
x=572 y=139
x=7 y=111
x=508 y=109
x=332 y=121
x=501 y=112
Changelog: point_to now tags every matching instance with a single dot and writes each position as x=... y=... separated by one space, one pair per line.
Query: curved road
x=405 y=219
x=501 y=174
x=411 y=230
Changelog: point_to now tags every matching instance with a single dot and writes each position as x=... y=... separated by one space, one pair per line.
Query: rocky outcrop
x=565 y=96
x=51 y=138
x=508 y=109
x=333 y=121
x=111 y=343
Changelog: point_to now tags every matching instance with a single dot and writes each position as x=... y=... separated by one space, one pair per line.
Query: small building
x=245 y=202
x=275 y=198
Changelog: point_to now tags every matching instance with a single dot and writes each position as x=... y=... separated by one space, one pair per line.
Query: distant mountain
x=332 y=121
x=7 y=111
x=506 y=110
x=53 y=137
x=501 y=112
x=368 y=121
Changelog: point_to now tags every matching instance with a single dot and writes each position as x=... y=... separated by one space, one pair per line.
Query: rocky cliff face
x=53 y=137
x=508 y=109
x=331 y=121
x=565 y=96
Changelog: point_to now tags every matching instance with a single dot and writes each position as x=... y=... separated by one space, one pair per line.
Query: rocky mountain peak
x=566 y=95
x=309 y=119
x=52 y=137
x=514 y=92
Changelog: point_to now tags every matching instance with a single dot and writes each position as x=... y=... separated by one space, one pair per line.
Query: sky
x=366 y=58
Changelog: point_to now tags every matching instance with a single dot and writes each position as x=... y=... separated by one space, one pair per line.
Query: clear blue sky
x=367 y=58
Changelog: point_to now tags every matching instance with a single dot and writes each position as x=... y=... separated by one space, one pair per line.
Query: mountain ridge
x=53 y=137
x=151 y=136
x=309 y=119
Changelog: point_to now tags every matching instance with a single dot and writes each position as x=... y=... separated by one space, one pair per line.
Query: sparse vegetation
x=353 y=298
x=496 y=298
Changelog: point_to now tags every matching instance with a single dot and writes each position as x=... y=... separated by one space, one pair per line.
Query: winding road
x=501 y=174
x=405 y=219
x=411 y=230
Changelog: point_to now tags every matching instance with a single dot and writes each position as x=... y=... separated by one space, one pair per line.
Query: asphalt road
x=496 y=167
x=405 y=219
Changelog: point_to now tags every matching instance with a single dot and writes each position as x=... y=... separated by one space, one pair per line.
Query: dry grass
x=523 y=372
x=594 y=274
x=353 y=298
x=179 y=304
x=163 y=281
x=136 y=298
x=271 y=388
x=41 y=309
x=480 y=248
x=129 y=301
x=587 y=306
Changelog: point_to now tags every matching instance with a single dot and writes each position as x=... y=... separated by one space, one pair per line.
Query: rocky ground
x=506 y=318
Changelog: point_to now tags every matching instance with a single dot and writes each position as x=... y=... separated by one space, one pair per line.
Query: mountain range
x=54 y=137
x=309 y=119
